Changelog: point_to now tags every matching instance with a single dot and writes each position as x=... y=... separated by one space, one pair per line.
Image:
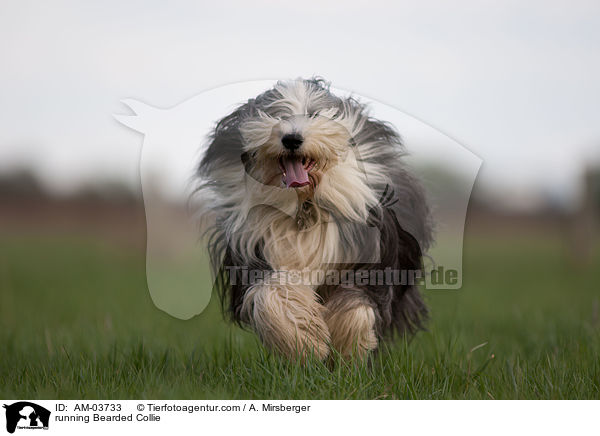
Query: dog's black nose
x=292 y=141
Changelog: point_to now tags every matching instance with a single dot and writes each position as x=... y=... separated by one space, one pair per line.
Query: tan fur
x=288 y=247
x=287 y=318
x=351 y=323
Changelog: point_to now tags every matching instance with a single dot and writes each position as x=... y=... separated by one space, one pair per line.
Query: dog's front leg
x=351 y=319
x=288 y=318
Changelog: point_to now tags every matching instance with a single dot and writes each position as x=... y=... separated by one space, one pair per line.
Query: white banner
x=149 y=417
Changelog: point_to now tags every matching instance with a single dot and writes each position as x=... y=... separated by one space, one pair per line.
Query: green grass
x=76 y=321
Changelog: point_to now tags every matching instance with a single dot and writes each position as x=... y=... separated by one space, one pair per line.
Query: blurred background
x=515 y=83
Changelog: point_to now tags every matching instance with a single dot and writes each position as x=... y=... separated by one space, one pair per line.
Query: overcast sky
x=515 y=82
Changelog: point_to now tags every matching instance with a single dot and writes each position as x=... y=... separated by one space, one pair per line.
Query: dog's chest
x=298 y=243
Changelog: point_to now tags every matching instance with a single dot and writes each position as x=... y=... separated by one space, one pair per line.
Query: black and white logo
x=26 y=415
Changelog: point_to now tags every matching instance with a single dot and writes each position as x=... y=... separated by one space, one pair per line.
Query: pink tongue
x=295 y=173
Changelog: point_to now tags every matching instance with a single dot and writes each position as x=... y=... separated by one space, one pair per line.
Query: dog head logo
x=270 y=153
x=26 y=415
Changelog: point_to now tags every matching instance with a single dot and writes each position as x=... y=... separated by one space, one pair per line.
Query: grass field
x=76 y=321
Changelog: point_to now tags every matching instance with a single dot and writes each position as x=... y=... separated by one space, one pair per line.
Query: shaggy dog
x=316 y=228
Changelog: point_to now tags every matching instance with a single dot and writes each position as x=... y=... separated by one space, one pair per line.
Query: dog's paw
x=351 y=321
x=288 y=318
x=353 y=332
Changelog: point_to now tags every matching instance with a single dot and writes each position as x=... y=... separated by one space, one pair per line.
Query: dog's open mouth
x=295 y=169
